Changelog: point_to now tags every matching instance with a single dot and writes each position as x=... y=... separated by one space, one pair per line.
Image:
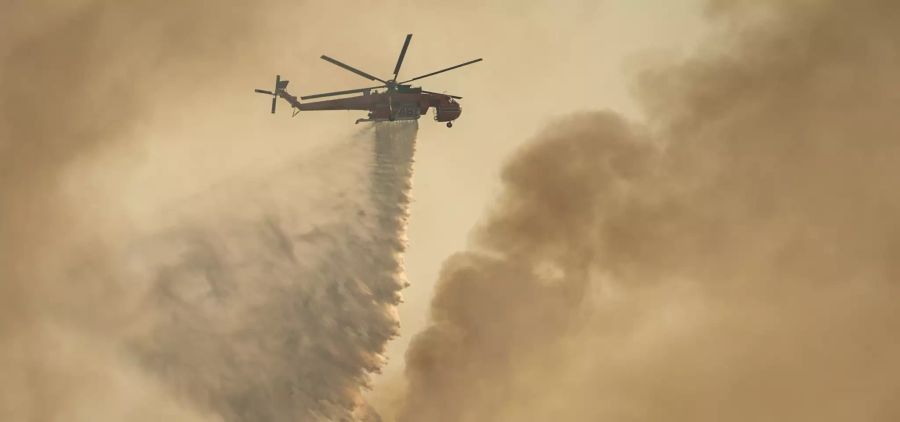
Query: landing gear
x=449 y=124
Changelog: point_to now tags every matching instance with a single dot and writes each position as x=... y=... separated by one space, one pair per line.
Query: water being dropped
x=273 y=298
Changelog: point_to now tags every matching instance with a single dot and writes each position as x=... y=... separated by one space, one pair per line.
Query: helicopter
x=390 y=101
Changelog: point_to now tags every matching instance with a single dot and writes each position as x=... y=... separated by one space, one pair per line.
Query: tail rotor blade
x=279 y=91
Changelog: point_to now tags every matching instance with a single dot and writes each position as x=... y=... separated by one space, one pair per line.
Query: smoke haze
x=735 y=258
x=730 y=258
x=117 y=117
x=63 y=96
x=269 y=296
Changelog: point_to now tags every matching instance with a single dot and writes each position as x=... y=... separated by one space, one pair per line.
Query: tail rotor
x=279 y=88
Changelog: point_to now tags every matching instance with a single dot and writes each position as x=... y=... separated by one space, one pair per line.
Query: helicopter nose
x=449 y=112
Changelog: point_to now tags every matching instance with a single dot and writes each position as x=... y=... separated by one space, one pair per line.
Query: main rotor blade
x=402 y=54
x=330 y=94
x=353 y=69
x=437 y=93
x=442 y=71
x=262 y=91
x=274 y=100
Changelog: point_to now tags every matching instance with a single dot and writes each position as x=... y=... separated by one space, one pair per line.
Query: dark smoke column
x=736 y=258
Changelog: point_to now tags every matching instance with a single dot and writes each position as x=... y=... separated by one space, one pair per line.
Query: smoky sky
x=74 y=80
x=732 y=257
x=198 y=318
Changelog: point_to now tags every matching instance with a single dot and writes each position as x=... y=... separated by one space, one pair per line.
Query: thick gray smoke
x=735 y=259
x=274 y=299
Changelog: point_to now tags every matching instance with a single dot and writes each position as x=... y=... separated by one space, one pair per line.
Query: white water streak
x=274 y=299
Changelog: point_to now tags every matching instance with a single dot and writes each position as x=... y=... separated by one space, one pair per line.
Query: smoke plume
x=734 y=258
